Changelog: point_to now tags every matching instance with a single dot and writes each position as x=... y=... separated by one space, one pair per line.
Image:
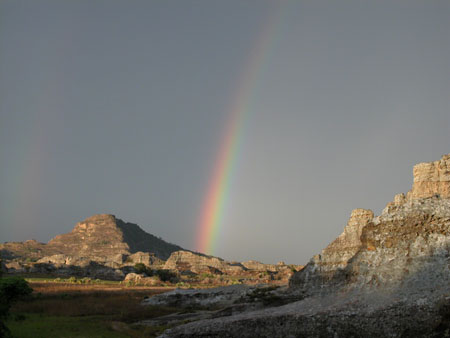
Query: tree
x=11 y=289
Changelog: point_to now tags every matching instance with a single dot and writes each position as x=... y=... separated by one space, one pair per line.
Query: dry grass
x=47 y=288
x=116 y=303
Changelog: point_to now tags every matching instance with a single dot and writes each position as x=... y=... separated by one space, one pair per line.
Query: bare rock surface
x=384 y=276
x=213 y=297
x=432 y=178
x=336 y=255
x=101 y=246
x=250 y=272
x=195 y=262
x=106 y=235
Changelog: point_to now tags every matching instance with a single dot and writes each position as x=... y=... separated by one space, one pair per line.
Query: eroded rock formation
x=384 y=276
x=105 y=235
x=432 y=178
x=101 y=246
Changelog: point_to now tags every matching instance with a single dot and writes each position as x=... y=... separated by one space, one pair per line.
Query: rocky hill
x=384 y=276
x=100 y=235
x=103 y=246
x=106 y=235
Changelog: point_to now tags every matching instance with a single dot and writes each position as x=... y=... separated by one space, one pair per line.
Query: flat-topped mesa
x=431 y=178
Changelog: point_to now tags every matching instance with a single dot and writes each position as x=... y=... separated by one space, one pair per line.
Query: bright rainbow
x=219 y=187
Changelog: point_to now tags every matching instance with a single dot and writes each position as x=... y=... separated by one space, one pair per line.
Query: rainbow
x=213 y=208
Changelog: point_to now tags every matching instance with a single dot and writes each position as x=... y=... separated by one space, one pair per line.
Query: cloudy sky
x=121 y=106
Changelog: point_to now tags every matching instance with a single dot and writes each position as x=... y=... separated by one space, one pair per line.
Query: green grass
x=68 y=280
x=57 y=312
x=38 y=325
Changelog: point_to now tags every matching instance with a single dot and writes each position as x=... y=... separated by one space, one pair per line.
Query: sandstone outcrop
x=336 y=255
x=384 y=276
x=105 y=235
x=257 y=266
x=135 y=278
x=100 y=246
x=249 y=272
x=103 y=246
x=195 y=262
x=214 y=297
x=432 y=178
x=146 y=258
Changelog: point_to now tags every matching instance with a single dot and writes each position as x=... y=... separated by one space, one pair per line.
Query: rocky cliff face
x=103 y=246
x=105 y=235
x=195 y=262
x=432 y=178
x=98 y=235
x=411 y=233
x=100 y=246
x=384 y=276
x=336 y=255
x=248 y=272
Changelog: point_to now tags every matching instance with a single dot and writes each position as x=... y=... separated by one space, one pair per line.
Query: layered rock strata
x=384 y=276
x=101 y=246
x=105 y=235
x=432 y=178
x=187 y=261
x=336 y=255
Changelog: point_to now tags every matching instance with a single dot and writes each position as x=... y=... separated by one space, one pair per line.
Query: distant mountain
x=100 y=235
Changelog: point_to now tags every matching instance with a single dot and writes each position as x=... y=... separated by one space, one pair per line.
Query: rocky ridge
x=106 y=235
x=384 y=276
x=103 y=246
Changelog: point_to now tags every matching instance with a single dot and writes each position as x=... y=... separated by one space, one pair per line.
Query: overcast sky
x=119 y=107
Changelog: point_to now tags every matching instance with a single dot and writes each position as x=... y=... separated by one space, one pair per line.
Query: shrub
x=11 y=289
x=166 y=275
x=140 y=268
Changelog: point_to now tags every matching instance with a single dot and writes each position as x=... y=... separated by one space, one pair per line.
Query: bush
x=166 y=275
x=140 y=268
x=11 y=289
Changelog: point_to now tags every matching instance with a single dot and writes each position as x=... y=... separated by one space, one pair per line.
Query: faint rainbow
x=213 y=208
x=33 y=151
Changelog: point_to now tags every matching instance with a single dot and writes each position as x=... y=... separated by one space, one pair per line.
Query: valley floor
x=106 y=309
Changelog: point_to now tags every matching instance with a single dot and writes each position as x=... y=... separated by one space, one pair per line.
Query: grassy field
x=59 y=309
